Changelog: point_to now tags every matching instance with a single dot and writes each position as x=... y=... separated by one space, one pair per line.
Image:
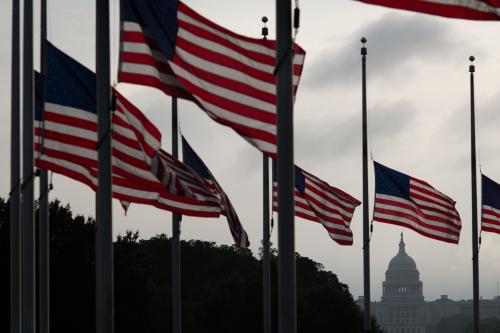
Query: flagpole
x=15 y=221
x=27 y=188
x=366 y=218
x=287 y=298
x=43 y=210
x=104 y=213
x=475 y=251
x=266 y=261
x=176 y=237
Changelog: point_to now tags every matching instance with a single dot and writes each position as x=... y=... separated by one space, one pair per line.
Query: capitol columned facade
x=403 y=309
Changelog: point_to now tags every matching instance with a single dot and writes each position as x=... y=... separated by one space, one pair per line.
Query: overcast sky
x=418 y=105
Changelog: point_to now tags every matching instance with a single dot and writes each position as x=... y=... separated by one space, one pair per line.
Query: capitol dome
x=402 y=261
x=402 y=278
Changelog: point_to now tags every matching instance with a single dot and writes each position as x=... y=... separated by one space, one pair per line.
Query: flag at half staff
x=167 y=45
x=412 y=203
x=490 y=215
x=315 y=200
x=465 y=9
x=142 y=172
x=192 y=160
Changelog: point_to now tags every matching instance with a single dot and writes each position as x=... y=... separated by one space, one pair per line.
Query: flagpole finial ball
x=264 y=19
x=363 y=40
x=471 y=58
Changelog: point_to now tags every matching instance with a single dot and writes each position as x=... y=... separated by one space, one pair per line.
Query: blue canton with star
x=159 y=17
x=69 y=83
x=491 y=192
x=391 y=182
x=39 y=95
x=192 y=160
x=300 y=179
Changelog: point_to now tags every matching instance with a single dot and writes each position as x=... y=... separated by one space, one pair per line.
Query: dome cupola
x=402 y=261
x=402 y=278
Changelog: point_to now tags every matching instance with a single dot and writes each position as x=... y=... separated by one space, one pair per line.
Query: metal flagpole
x=266 y=260
x=43 y=221
x=366 y=218
x=287 y=298
x=475 y=251
x=104 y=214
x=15 y=221
x=28 y=223
x=176 y=237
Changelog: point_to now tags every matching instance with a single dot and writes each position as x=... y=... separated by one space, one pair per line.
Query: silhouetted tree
x=221 y=285
x=72 y=271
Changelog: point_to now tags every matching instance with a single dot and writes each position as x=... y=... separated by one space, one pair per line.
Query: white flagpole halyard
x=27 y=187
x=287 y=298
x=14 y=203
x=104 y=214
x=366 y=217
x=475 y=250
x=176 y=237
x=43 y=209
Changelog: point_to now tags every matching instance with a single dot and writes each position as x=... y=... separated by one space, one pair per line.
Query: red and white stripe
x=322 y=203
x=465 y=9
x=428 y=212
x=490 y=219
x=238 y=233
x=228 y=75
x=69 y=148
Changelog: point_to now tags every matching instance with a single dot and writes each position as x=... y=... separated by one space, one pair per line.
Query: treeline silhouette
x=221 y=285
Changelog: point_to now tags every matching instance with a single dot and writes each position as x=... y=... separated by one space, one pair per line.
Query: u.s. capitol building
x=403 y=309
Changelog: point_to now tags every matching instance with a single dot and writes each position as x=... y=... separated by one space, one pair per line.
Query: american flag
x=192 y=160
x=490 y=215
x=167 y=45
x=316 y=200
x=465 y=9
x=142 y=172
x=412 y=203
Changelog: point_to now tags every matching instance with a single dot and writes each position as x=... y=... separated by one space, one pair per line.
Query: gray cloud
x=394 y=41
x=489 y=112
x=389 y=120
x=342 y=134
x=487 y=109
x=487 y=124
x=452 y=132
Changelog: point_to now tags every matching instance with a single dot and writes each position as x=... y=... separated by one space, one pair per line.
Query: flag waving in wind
x=316 y=200
x=67 y=123
x=192 y=160
x=412 y=203
x=465 y=9
x=167 y=45
x=490 y=215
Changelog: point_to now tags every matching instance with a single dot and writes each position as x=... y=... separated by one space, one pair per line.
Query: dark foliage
x=221 y=285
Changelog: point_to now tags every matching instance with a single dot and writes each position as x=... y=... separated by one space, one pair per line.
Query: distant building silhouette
x=403 y=309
